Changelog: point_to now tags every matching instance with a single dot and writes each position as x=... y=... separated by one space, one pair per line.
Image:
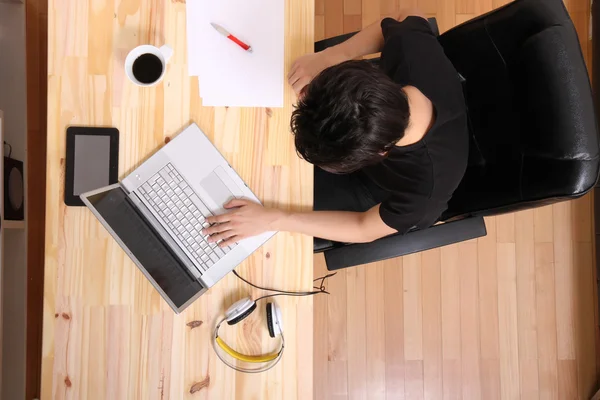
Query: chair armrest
x=333 y=41
x=321 y=245
x=400 y=245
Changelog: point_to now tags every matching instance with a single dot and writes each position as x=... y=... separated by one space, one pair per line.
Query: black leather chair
x=532 y=125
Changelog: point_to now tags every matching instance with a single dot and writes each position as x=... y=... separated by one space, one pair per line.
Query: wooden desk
x=107 y=333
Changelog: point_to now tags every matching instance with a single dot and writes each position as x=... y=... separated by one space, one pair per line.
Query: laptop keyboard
x=142 y=241
x=183 y=215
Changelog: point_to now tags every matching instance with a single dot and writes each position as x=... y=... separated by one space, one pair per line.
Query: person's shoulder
x=409 y=36
x=408 y=20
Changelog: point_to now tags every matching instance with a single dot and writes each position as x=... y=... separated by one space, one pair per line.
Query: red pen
x=229 y=36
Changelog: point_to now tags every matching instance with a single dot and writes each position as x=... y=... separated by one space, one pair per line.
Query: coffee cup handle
x=167 y=52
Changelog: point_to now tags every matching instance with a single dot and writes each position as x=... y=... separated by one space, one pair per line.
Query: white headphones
x=237 y=313
x=242 y=309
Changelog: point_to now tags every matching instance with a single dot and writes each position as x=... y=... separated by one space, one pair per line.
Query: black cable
x=321 y=288
x=289 y=294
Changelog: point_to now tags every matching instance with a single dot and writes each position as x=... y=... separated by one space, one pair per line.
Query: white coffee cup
x=163 y=54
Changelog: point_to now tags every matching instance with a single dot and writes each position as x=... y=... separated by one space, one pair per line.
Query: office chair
x=531 y=120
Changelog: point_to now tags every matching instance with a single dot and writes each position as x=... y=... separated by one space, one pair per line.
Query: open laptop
x=157 y=212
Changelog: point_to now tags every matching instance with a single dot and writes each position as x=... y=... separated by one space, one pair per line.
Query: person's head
x=350 y=116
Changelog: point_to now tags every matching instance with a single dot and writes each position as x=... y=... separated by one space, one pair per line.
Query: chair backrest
x=534 y=137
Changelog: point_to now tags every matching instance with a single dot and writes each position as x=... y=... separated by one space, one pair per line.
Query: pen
x=229 y=36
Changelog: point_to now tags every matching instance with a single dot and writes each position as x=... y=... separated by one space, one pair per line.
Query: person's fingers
x=293 y=70
x=236 y=203
x=297 y=88
x=217 y=228
x=231 y=241
x=220 y=236
x=219 y=219
x=295 y=78
x=300 y=84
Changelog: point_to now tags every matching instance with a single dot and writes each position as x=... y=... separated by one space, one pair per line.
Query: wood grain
x=334 y=17
x=446 y=14
x=567 y=380
x=507 y=316
x=352 y=7
x=413 y=376
x=389 y=7
x=565 y=281
x=319 y=27
x=432 y=324
x=375 y=327
x=337 y=344
x=320 y=7
x=321 y=324
x=488 y=312
x=107 y=332
x=357 y=335
x=394 y=328
x=546 y=320
x=352 y=23
x=526 y=300
x=451 y=324
x=413 y=308
x=371 y=12
x=460 y=18
x=505 y=228
x=469 y=321
x=542 y=224
x=488 y=292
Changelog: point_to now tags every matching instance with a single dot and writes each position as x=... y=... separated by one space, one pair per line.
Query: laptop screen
x=146 y=245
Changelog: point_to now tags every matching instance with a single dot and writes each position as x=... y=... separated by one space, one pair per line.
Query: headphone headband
x=236 y=313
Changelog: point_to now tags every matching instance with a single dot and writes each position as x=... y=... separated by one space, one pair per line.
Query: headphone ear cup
x=270 y=326
x=240 y=310
x=277 y=319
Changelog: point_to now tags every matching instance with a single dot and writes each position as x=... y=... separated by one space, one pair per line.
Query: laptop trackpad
x=217 y=190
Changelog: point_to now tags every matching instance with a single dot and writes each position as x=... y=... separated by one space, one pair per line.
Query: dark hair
x=349 y=115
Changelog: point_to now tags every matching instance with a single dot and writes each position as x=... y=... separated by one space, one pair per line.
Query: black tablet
x=92 y=161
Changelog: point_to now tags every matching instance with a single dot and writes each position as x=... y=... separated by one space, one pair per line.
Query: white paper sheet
x=229 y=75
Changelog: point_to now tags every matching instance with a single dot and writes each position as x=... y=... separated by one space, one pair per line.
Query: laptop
x=157 y=212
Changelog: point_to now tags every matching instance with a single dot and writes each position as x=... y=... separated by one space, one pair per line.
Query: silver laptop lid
x=144 y=246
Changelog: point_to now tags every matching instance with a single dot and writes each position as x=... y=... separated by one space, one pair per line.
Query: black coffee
x=147 y=68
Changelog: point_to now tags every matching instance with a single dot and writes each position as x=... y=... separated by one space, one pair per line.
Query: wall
x=13 y=317
x=12 y=75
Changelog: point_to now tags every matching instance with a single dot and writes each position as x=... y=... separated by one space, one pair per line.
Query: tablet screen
x=92 y=163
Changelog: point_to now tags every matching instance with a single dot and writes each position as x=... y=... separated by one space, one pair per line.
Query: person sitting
x=390 y=143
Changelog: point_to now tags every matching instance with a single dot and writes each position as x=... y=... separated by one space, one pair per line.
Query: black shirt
x=419 y=179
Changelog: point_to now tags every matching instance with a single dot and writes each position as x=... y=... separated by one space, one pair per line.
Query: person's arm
x=339 y=226
x=368 y=41
x=248 y=219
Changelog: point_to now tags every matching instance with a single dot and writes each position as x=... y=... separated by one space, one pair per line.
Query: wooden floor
x=508 y=316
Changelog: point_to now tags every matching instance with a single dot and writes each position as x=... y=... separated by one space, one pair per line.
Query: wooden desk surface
x=107 y=333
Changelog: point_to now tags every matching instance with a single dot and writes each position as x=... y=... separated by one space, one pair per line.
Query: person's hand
x=245 y=219
x=308 y=66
